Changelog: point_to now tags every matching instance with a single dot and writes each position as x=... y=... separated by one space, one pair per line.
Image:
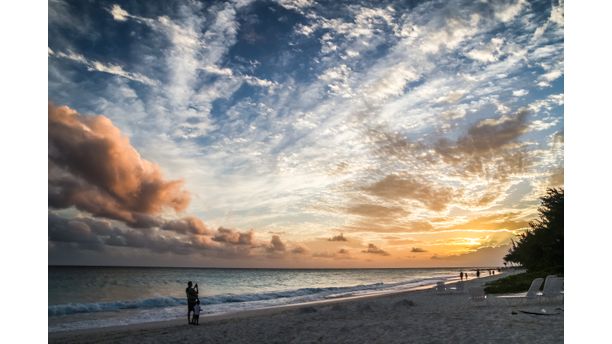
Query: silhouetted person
x=192 y=297
x=461 y=275
x=196 y=313
x=477 y=273
x=466 y=275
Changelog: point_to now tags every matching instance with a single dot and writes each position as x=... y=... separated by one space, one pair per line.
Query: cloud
x=373 y=249
x=260 y=154
x=487 y=53
x=232 y=236
x=187 y=225
x=118 y=13
x=557 y=177
x=339 y=237
x=374 y=210
x=417 y=250
x=94 y=234
x=276 y=246
x=394 y=187
x=98 y=66
x=79 y=232
x=506 y=11
x=489 y=148
x=98 y=235
x=392 y=83
x=340 y=254
x=504 y=220
x=492 y=256
x=409 y=226
x=296 y=5
x=520 y=93
x=94 y=168
x=299 y=249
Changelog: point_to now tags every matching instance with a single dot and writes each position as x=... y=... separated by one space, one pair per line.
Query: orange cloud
x=373 y=249
x=94 y=168
x=489 y=148
x=509 y=221
x=395 y=187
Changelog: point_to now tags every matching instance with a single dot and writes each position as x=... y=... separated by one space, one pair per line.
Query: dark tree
x=541 y=247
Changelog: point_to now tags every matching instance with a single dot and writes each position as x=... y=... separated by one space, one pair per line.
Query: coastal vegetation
x=539 y=249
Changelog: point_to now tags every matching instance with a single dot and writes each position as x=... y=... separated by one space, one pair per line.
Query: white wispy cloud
x=98 y=66
x=286 y=158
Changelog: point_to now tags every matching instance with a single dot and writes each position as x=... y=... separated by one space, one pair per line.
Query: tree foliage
x=541 y=247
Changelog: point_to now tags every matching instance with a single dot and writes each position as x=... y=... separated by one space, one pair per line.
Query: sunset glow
x=299 y=134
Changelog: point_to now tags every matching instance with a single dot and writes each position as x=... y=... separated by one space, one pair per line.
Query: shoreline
x=251 y=325
x=246 y=312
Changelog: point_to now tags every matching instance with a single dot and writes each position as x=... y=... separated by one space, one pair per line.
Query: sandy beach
x=421 y=316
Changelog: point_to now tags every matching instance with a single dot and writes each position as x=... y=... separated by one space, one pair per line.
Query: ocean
x=90 y=297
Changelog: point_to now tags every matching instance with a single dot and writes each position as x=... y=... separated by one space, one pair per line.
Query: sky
x=300 y=133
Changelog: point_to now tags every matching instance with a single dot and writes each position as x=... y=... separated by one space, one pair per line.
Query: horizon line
x=271 y=268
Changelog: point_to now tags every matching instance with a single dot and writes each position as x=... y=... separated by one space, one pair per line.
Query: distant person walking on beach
x=461 y=275
x=192 y=297
x=477 y=273
x=196 y=313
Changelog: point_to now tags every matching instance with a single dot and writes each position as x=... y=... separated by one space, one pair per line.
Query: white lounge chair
x=534 y=288
x=552 y=287
x=477 y=294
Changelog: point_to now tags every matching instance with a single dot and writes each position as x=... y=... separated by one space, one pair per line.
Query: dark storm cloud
x=394 y=187
x=94 y=168
x=373 y=249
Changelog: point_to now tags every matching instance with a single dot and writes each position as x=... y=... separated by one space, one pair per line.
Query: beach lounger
x=552 y=287
x=534 y=288
x=477 y=294
x=520 y=298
